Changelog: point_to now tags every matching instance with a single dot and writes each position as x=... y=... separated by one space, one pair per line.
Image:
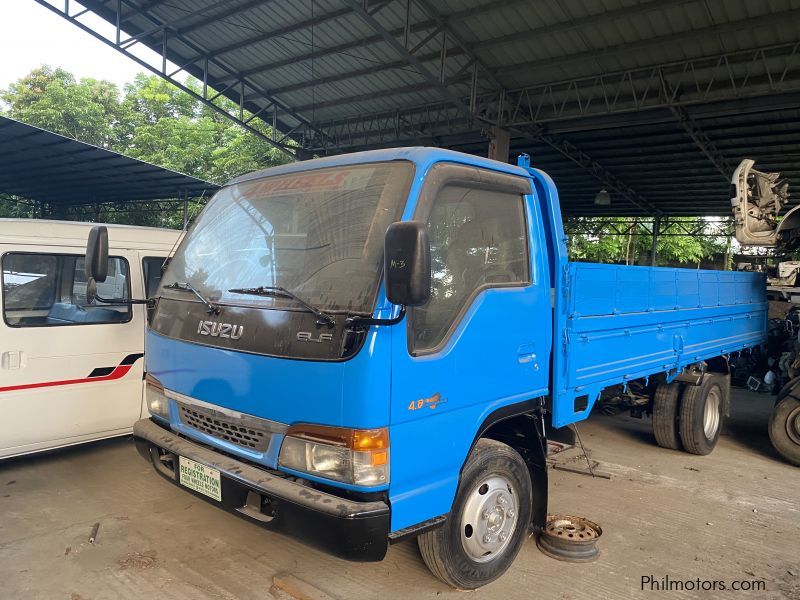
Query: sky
x=32 y=35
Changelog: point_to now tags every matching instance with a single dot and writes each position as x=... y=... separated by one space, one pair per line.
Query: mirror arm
x=362 y=322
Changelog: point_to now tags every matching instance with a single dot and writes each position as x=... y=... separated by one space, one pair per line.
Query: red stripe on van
x=119 y=372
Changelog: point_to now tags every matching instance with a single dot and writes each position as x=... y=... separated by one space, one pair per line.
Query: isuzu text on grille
x=223 y=330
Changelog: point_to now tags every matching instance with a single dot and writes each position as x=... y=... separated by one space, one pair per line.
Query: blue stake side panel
x=620 y=323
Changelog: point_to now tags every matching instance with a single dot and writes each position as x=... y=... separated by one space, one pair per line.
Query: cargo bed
x=617 y=323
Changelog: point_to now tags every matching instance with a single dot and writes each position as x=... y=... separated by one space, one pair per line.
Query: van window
x=42 y=290
x=151 y=267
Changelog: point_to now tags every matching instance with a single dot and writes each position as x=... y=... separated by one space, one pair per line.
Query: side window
x=41 y=290
x=477 y=241
x=151 y=267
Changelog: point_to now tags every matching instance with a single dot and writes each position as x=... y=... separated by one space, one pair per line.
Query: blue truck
x=362 y=349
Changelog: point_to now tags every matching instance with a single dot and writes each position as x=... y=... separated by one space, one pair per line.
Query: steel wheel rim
x=489 y=518
x=793 y=425
x=711 y=413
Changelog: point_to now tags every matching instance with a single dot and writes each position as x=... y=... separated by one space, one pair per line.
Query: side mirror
x=407 y=263
x=96 y=262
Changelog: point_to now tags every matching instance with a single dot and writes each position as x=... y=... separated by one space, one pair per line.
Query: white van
x=71 y=371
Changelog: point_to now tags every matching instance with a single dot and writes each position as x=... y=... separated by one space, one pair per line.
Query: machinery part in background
x=665 y=415
x=634 y=397
x=702 y=412
x=784 y=423
x=573 y=539
x=757 y=199
x=786 y=275
x=769 y=370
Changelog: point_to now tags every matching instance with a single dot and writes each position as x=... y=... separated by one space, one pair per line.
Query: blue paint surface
x=626 y=322
x=283 y=390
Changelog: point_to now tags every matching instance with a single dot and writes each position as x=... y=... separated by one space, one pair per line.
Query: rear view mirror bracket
x=357 y=323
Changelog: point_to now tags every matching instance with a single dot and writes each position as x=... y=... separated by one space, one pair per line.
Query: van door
x=70 y=370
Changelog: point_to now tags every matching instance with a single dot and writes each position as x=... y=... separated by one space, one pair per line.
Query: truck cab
x=360 y=349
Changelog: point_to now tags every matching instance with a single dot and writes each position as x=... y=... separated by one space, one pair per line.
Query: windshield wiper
x=323 y=318
x=213 y=309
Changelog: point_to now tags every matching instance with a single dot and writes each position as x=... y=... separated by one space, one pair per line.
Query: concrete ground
x=730 y=516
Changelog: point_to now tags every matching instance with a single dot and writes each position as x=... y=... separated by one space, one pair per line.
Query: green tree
x=167 y=127
x=152 y=120
x=52 y=99
x=629 y=240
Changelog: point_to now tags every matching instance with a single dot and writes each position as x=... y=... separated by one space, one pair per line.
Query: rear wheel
x=784 y=429
x=787 y=389
x=701 y=414
x=665 y=415
x=489 y=520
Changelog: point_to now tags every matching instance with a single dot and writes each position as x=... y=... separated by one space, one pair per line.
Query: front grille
x=242 y=431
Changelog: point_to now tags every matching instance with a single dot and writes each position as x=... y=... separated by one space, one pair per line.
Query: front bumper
x=349 y=529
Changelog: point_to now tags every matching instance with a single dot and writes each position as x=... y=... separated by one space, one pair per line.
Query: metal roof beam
x=594 y=168
x=280 y=32
x=703 y=142
x=406 y=89
x=323 y=52
x=371 y=40
x=697 y=80
x=229 y=11
x=438 y=82
x=446 y=25
x=627 y=48
x=201 y=97
x=556 y=29
x=380 y=68
x=567 y=103
x=697 y=135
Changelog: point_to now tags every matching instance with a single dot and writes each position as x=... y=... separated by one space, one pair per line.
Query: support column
x=654 y=248
x=499 y=145
x=185 y=209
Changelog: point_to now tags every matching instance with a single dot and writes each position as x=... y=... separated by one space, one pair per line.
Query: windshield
x=319 y=234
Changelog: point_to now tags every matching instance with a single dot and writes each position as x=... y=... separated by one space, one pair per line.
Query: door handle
x=11 y=360
x=526 y=354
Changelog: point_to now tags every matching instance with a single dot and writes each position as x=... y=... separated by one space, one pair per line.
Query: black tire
x=790 y=385
x=784 y=429
x=698 y=428
x=444 y=551
x=665 y=415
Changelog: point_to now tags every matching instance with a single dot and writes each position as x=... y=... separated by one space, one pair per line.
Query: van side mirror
x=96 y=261
x=407 y=263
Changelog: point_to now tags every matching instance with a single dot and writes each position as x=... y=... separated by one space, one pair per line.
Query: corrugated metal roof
x=44 y=166
x=595 y=90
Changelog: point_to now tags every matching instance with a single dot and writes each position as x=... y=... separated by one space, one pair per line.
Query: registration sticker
x=200 y=478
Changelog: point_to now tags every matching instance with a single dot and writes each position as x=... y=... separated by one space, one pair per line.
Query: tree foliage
x=608 y=245
x=150 y=119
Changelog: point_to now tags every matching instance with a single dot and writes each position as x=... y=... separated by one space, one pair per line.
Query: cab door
x=480 y=346
x=70 y=371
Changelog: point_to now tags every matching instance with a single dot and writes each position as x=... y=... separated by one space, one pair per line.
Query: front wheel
x=784 y=429
x=489 y=520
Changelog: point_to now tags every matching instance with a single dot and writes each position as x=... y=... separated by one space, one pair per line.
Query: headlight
x=157 y=401
x=356 y=456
